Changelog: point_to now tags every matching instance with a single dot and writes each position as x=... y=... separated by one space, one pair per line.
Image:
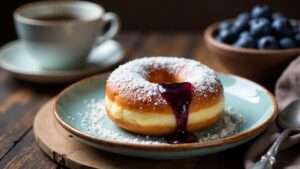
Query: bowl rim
x=161 y=147
x=209 y=38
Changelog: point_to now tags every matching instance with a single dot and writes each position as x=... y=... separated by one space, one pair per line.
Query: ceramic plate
x=15 y=59
x=79 y=109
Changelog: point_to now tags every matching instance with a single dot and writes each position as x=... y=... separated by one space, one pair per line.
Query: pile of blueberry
x=261 y=29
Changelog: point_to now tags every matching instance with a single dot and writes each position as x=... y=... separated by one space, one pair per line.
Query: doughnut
x=133 y=100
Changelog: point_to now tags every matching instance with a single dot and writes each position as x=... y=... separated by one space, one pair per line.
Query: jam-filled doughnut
x=134 y=99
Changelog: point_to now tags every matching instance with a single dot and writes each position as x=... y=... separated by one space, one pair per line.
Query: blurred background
x=165 y=15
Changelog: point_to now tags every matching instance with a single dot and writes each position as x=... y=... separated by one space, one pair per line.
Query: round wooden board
x=65 y=149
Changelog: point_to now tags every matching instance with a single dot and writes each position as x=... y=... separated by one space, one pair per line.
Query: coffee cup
x=59 y=35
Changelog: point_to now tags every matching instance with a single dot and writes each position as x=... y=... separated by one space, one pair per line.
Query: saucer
x=80 y=110
x=15 y=59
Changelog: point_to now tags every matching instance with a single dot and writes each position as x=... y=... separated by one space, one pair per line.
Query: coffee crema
x=61 y=17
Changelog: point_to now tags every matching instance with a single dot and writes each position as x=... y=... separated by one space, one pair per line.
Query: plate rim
x=10 y=68
x=163 y=147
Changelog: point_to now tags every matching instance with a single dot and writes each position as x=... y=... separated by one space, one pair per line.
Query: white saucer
x=15 y=59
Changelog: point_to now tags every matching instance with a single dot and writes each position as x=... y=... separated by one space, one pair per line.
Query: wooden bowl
x=258 y=65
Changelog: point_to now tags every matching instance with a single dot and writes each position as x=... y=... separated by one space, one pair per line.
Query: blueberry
x=239 y=25
x=296 y=26
x=282 y=27
x=245 y=16
x=297 y=39
x=261 y=11
x=245 y=42
x=278 y=15
x=241 y=22
x=267 y=42
x=224 y=25
x=286 y=43
x=245 y=33
x=260 y=27
x=226 y=36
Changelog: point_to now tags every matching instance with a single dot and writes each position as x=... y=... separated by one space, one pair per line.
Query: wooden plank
x=7 y=85
x=19 y=102
x=163 y=44
x=2 y=75
x=27 y=154
x=129 y=40
x=21 y=96
x=187 y=44
x=202 y=54
x=16 y=121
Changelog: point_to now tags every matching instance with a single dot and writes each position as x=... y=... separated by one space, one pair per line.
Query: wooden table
x=19 y=102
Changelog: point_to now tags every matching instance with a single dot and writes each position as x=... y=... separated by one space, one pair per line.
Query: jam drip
x=179 y=97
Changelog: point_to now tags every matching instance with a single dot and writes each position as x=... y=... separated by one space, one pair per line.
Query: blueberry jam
x=179 y=97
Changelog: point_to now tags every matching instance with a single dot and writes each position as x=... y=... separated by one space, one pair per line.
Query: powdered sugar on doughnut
x=131 y=78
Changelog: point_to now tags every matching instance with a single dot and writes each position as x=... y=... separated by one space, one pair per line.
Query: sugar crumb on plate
x=95 y=122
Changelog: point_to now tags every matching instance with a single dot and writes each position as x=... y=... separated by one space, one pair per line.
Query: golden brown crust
x=162 y=130
x=199 y=101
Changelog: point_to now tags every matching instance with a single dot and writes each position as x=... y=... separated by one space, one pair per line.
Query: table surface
x=19 y=102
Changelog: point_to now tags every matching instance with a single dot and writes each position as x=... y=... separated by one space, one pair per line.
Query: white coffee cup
x=60 y=34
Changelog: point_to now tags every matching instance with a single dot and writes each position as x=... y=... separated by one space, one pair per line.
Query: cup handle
x=114 y=28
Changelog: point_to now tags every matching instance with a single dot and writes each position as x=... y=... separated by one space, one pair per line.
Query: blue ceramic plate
x=249 y=108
